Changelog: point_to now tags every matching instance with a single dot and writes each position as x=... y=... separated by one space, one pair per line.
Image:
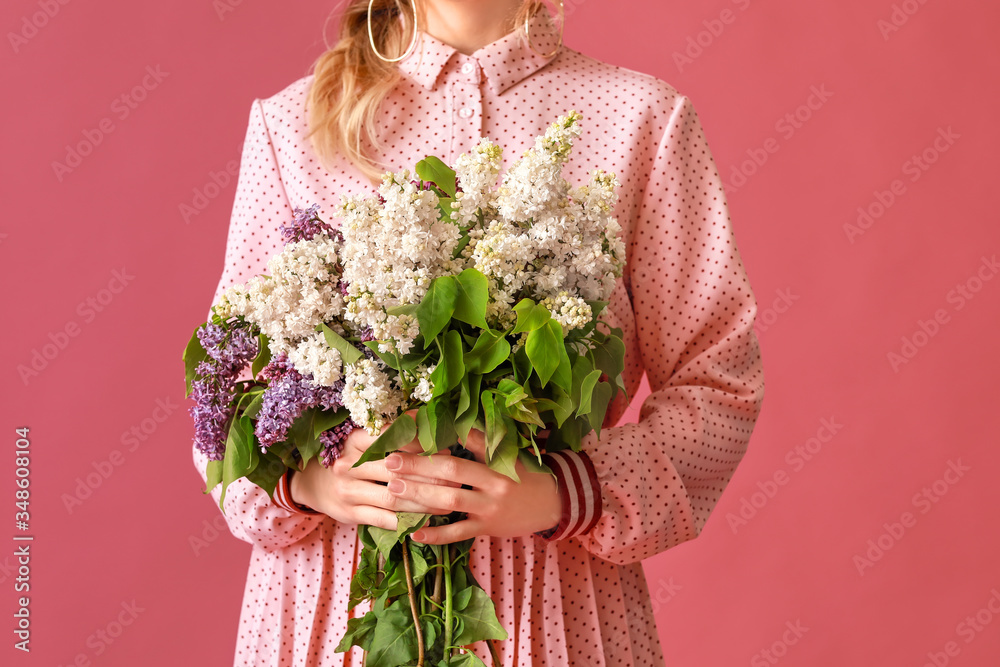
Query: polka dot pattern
x=685 y=308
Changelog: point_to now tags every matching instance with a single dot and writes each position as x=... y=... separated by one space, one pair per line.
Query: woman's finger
x=452 y=532
x=449 y=468
x=377 y=495
x=449 y=499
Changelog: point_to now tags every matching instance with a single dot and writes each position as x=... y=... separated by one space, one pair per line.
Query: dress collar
x=504 y=62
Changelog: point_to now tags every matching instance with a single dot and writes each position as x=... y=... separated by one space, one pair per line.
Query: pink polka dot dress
x=575 y=595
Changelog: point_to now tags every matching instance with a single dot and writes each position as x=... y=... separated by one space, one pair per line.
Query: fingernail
x=418 y=535
x=396 y=486
x=393 y=462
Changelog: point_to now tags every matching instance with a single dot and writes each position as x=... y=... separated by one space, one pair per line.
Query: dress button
x=465 y=112
x=467 y=68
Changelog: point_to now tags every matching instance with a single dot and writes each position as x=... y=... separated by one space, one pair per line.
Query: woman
x=560 y=558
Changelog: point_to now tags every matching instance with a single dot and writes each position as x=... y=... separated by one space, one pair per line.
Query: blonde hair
x=350 y=82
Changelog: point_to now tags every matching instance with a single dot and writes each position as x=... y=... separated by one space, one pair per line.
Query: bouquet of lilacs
x=443 y=303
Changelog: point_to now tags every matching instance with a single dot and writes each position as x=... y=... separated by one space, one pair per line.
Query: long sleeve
x=261 y=204
x=645 y=487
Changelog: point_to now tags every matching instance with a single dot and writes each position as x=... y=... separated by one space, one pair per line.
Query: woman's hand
x=353 y=495
x=496 y=505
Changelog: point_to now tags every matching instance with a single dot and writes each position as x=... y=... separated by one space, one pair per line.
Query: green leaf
x=601 y=397
x=587 y=391
x=394 y=641
x=263 y=357
x=434 y=170
x=609 y=356
x=324 y=420
x=496 y=429
x=512 y=391
x=241 y=454
x=194 y=354
x=359 y=633
x=467 y=659
x=463 y=240
x=491 y=350
x=531 y=462
x=564 y=406
x=401 y=431
x=437 y=307
x=450 y=367
x=267 y=472
x=348 y=353
x=384 y=539
x=545 y=349
x=214 y=474
x=473 y=294
x=504 y=457
x=403 y=309
x=436 y=426
x=253 y=407
x=530 y=315
x=596 y=307
x=303 y=435
x=479 y=620
x=409 y=522
x=468 y=417
x=461 y=599
x=445 y=206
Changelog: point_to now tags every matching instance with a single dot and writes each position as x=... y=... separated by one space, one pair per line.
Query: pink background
x=847 y=441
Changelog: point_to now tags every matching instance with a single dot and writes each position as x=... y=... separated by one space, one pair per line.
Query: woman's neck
x=468 y=25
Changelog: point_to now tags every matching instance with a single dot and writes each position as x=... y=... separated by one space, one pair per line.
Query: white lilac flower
x=424 y=391
x=370 y=396
x=571 y=312
x=534 y=184
x=300 y=291
x=476 y=176
x=502 y=254
x=313 y=355
x=393 y=248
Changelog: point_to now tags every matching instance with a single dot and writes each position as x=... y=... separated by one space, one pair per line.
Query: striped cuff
x=579 y=491
x=283 y=496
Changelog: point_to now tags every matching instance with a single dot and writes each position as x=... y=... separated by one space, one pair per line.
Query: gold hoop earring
x=413 y=42
x=562 y=27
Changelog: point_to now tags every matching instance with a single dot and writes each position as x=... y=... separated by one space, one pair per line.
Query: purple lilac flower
x=289 y=394
x=305 y=225
x=333 y=441
x=214 y=387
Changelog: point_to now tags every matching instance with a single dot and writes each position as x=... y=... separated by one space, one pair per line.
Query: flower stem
x=493 y=653
x=413 y=601
x=447 y=599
